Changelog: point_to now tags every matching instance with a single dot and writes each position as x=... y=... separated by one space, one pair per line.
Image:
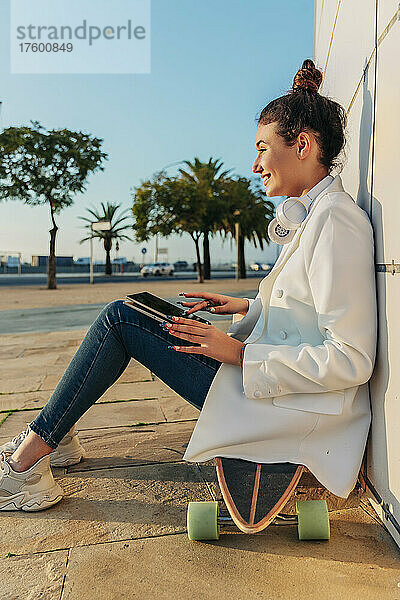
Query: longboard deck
x=255 y=493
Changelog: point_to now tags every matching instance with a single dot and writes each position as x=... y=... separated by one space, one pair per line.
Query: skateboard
x=255 y=494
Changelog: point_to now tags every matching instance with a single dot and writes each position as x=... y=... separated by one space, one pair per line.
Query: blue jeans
x=118 y=334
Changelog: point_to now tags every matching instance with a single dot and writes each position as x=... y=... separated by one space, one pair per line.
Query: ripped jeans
x=118 y=334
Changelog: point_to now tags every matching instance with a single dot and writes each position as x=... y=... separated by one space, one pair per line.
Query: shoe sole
x=35 y=502
x=68 y=459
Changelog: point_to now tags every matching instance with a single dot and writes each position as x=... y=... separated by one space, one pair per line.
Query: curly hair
x=302 y=108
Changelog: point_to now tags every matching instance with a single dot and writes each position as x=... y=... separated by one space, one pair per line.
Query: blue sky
x=214 y=66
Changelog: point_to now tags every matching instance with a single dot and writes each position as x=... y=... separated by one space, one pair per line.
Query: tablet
x=159 y=308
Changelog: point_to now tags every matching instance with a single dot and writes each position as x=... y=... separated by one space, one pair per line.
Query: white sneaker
x=31 y=490
x=68 y=452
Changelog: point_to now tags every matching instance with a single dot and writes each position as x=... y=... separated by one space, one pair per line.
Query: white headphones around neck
x=291 y=213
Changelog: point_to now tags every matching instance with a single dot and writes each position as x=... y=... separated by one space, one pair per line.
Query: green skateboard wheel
x=202 y=521
x=313 y=520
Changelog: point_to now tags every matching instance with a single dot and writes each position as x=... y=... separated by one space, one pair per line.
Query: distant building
x=61 y=261
x=119 y=261
x=10 y=261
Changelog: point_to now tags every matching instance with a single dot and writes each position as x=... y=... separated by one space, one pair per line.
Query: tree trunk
x=108 y=263
x=242 y=261
x=206 y=255
x=51 y=263
x=107 y=248
x=200 y=277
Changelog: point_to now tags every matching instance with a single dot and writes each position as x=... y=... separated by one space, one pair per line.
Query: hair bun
x=307 y=78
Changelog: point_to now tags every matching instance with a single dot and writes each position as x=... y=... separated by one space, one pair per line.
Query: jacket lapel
x=244 y=326
x=288 y=249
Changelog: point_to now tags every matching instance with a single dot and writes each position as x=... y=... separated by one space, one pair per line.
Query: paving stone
x=118 y=414
x=7 y=372
x=15 y=423
x=66 y=335
x=21 y=384
x=175 y=408
x=53 y=339
x=134 y=391
x=33 y=577
x=62 y=352
x=135 y=372
x=50 y=382
x=38 y=362
x=165 y=390
x=23 y=400
x=10 y=351
x=107 y=505
x=98 y=416
x=130 y=446
x=271 y=566
x=118 y=391
x=65 y=357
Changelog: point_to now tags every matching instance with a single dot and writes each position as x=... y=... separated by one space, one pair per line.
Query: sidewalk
x=120 y=531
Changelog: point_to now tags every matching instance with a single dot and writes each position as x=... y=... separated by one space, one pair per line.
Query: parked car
x=181 y=265
x=158 y=269
x=256 y=266
x=194 y=266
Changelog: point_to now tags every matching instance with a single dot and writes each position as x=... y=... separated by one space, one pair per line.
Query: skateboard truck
x=254 y=495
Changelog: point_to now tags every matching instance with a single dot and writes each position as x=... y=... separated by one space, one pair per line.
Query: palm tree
x=245 y=204
x=205 y=176
x=107 y=213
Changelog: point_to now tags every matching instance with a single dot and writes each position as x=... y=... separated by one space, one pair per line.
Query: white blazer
x=302 y=395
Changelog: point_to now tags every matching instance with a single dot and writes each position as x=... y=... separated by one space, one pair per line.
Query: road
x=70 y=278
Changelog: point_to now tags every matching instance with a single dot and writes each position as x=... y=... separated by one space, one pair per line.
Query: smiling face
x=285 y=170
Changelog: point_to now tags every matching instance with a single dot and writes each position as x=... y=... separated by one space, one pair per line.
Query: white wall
x=357 y=47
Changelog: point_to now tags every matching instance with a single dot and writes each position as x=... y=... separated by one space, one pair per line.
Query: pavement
x=77 y=316
x=120 y=531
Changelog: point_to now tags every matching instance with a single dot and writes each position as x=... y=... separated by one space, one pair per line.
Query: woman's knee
x=113 y=311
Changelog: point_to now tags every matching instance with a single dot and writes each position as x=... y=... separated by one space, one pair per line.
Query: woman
x=288 y=381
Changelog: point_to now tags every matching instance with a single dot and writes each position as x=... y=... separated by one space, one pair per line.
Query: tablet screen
x=161 y=306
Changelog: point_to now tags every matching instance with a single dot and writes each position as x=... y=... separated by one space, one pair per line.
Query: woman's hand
x=216 y=303
x=214 y=343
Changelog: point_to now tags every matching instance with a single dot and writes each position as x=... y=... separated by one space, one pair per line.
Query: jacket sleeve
x=236 y=317
x=339 y=261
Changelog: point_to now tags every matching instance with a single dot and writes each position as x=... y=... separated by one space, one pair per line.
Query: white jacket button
x=283 y=334
x=279 y=293
x=257 y=394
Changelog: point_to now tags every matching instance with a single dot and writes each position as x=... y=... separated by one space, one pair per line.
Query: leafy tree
x=245 y=204
x=39 y=167
x=108 y=213
x=166 y=205
x=206 y=176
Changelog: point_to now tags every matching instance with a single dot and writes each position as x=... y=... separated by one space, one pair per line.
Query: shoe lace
x=3 y=460
x=21 y=436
